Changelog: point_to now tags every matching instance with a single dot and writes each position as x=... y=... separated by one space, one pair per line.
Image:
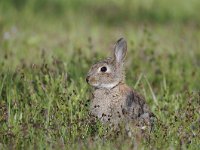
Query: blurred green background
x=47 y=47
x=109 y=12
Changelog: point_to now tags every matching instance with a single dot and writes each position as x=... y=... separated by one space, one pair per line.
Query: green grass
x=46 y=49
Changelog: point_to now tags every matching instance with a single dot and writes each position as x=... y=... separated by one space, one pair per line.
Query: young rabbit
x=113 y=101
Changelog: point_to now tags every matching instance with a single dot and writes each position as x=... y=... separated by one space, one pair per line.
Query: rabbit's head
x=109 y=72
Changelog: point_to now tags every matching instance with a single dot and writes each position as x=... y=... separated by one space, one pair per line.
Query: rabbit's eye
x=103 y=69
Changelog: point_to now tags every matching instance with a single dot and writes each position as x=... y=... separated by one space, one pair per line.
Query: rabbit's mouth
x=91 y=81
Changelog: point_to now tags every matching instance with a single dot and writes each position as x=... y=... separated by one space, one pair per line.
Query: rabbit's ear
x=120 y=50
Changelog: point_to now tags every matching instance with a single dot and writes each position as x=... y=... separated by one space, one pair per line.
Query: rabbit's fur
x=112 y=100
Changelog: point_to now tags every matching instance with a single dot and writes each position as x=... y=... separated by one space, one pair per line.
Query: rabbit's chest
x=106 y=105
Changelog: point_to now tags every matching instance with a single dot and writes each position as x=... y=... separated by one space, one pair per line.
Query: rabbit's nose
x=87 y=79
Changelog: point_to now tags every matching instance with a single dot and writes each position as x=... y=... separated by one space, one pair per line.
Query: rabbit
x=112 y=100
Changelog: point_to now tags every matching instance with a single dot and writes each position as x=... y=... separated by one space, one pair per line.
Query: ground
x=47 y=47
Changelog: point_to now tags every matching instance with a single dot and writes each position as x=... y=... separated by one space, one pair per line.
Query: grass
x=47 y=48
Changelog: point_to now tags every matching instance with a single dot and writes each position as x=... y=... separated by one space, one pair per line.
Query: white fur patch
x=109 y=85
x=105 y=85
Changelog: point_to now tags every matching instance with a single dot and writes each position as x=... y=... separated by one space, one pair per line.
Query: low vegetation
x=46 y=49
